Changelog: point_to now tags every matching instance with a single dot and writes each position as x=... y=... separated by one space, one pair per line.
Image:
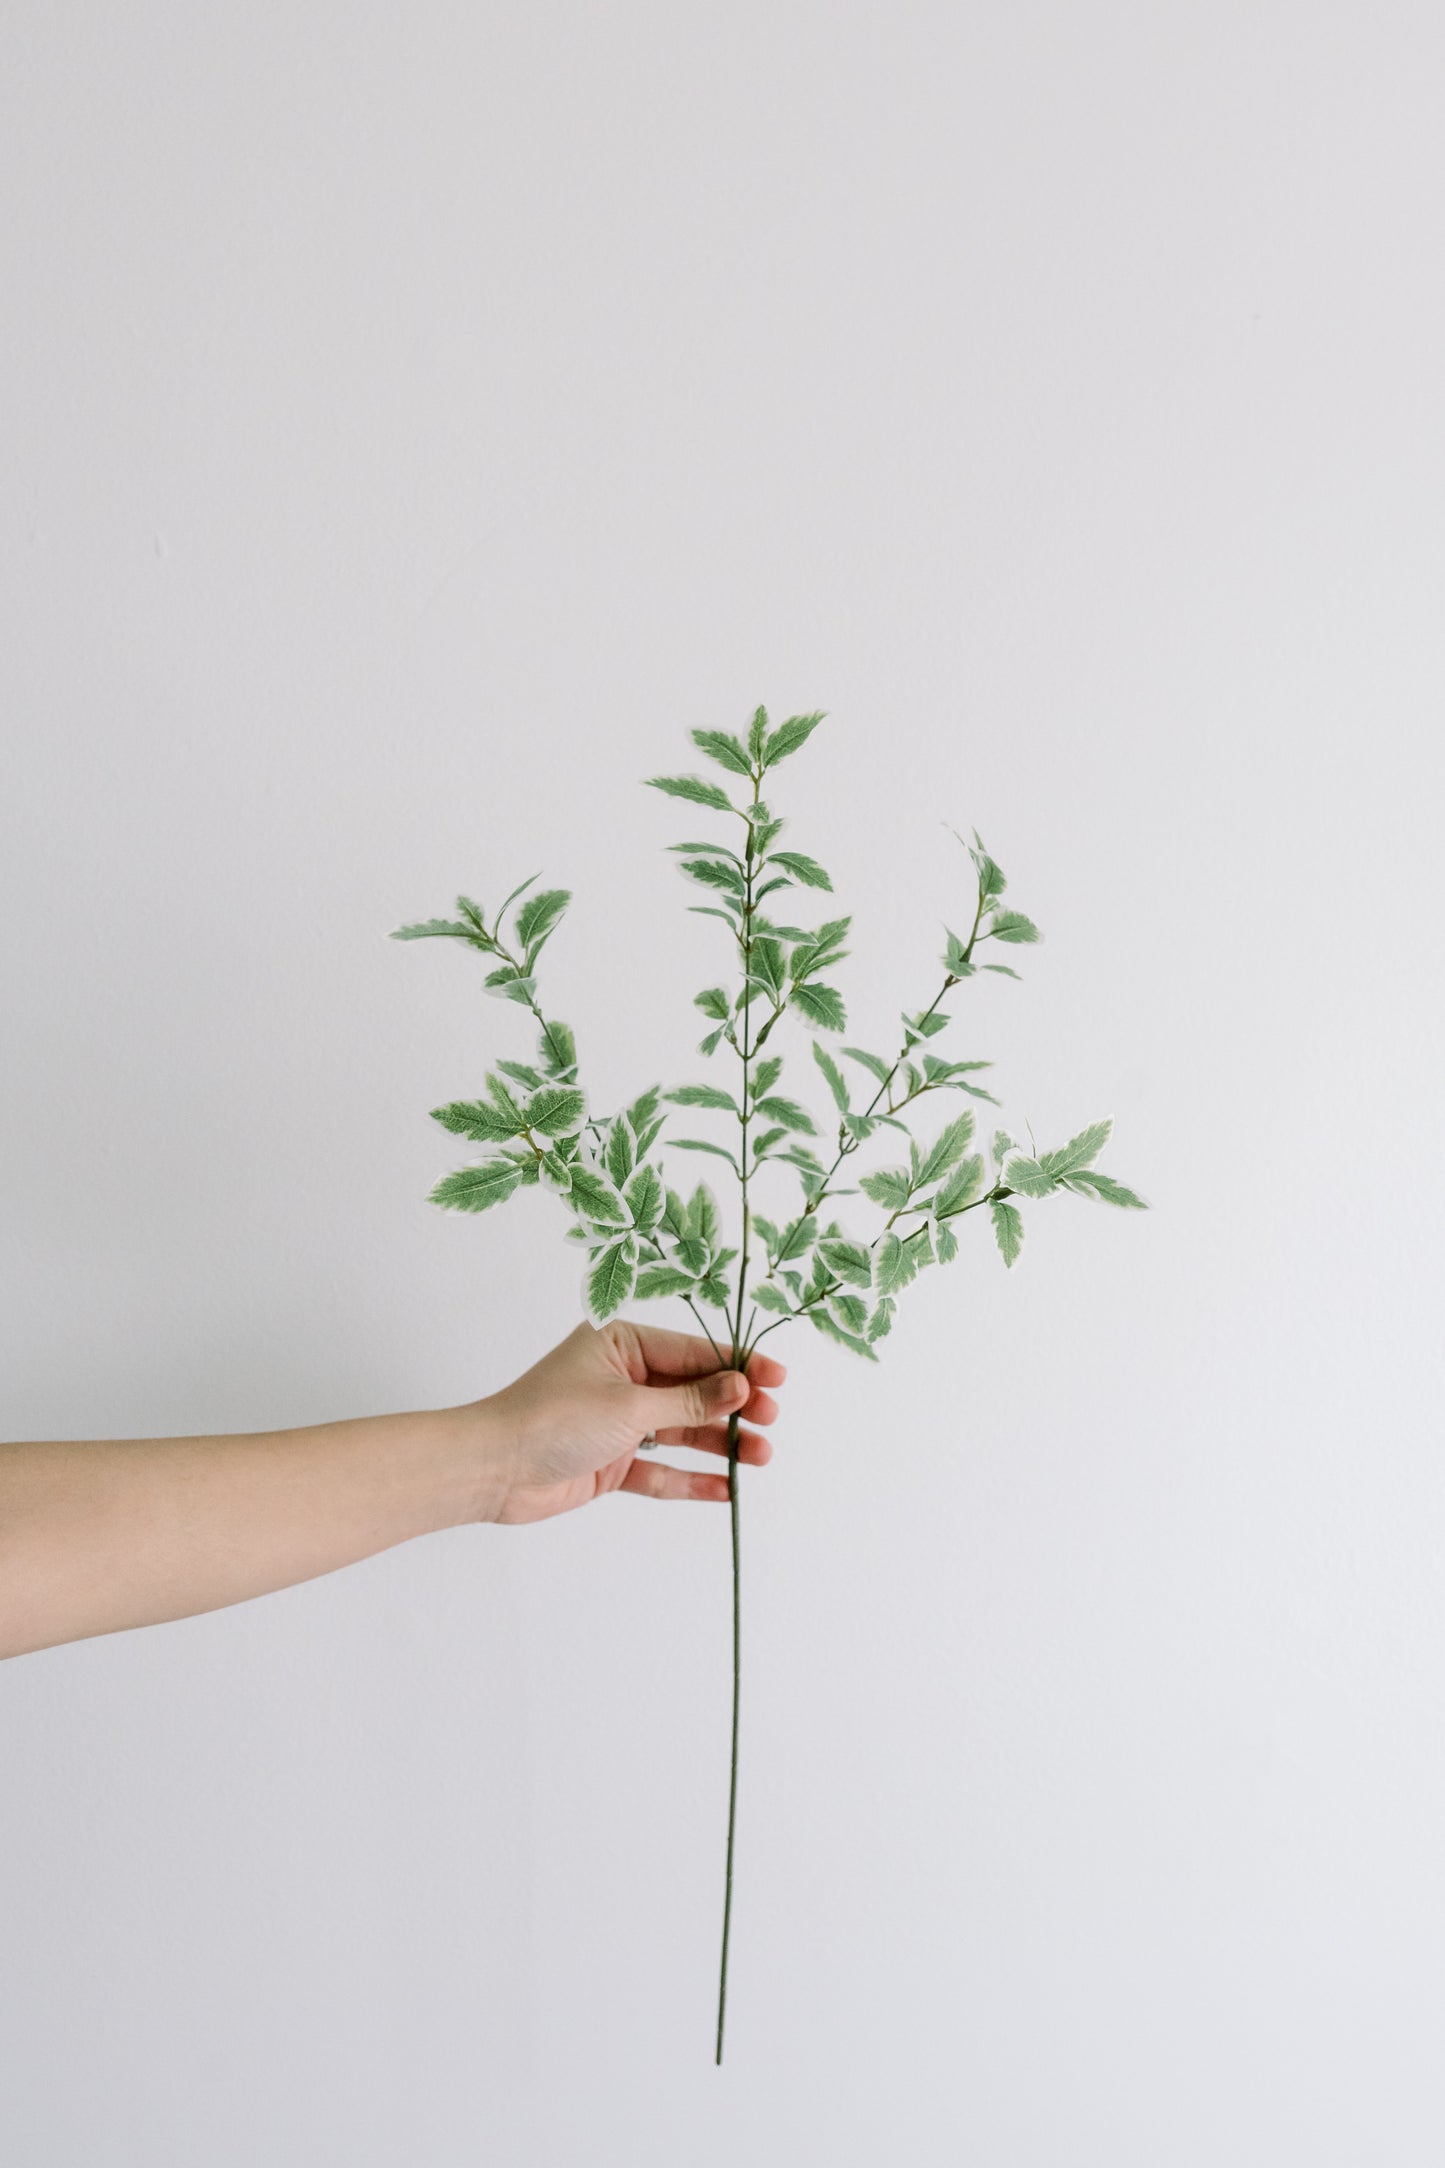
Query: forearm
x=97 y=1536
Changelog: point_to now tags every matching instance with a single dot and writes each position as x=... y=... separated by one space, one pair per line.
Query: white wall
x=415 y=420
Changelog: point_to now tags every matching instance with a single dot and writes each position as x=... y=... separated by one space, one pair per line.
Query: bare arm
x=109 y=1533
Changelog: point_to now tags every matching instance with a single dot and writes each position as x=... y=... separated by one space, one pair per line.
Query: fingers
x=655 y=1479
x=697 y=1404
x=669 y=1355
x=755 y=1449
x=766 y=1369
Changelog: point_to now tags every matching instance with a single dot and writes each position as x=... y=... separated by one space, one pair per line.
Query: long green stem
x=741 y=1352
x=722 y=1988
x=746 y=1053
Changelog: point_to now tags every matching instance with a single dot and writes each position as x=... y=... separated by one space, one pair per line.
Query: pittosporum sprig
x=643 y=1237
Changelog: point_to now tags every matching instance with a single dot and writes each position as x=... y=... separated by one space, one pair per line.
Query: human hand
x=568 y=1430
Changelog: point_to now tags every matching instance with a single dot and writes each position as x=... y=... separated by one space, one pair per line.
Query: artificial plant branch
x=642 y=1236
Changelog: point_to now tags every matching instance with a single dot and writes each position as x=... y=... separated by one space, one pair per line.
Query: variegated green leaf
x=478 y=1119
x=849 y=1260
x=700 y=1144
x=431 y=928
x=948 y=1149
x=643 y=1193
x=694 y=788
x=832 y=1330
x=787 y=1113
x=1091 y=1182
x=723 y=747
x=702 y=1095
x=788 y=737
x=962 y=1186
x=663 y=1280
x=888 y=1186
x=703 y=1219
x=474 y=1189
x=621 y=1149
x=873 y=1063
x=802 y=868
x=836 y=1084
x=610 y=1281
x=557 y=1050
x=596 y=1199
x=1028 y=1177
x=850 y=1310
x=1080 y=1151
x=821 y=1005
x=555 y=1110
x=538 y=915
x=1008 y=1229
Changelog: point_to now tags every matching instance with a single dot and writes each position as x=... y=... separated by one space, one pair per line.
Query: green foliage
x=888 y=1186
x=834 y=1331
x=960 y=1190
x=1012 y=926
x=537 y=918
x=643 y=1196
x=693 y=787
x=1008 y=1229
x=643 y=1238
x=834 y=1075
x=438 y=926
x=1027 y=1176
x=555 y=1111
x=702 y=1095
x=788 y=1113
x=788 y=737
x=473 y=1189
x=847 y=1261
x=821 y=1005
x=892 y=1266
x=948 y=1149
x=611 y=1280
x=1094 y=1184
x=714 y=873
x=1080 y=1151
x=718 y=1151
x=806 y=870
x=595 y=1199
x=724 y=748
x=477 y=1119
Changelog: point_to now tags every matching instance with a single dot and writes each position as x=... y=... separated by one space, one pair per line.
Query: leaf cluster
x=645 y=1237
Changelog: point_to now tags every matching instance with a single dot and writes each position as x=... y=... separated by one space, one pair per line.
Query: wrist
x=481 y=1451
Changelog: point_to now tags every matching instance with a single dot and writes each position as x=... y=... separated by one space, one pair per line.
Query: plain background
x=417 y=419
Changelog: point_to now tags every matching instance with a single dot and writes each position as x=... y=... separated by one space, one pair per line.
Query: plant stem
x=746 y=1053
x=849 y=1144
x=722 y=1990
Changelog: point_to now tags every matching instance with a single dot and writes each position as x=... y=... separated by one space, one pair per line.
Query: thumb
x=693 y=1402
